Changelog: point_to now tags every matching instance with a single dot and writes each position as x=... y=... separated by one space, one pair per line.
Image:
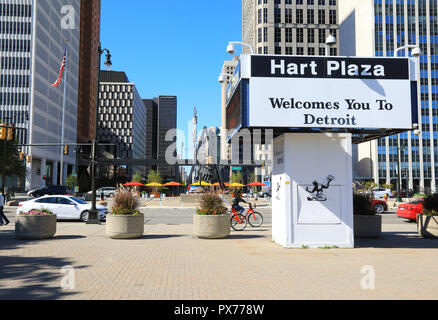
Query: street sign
x=236 y=168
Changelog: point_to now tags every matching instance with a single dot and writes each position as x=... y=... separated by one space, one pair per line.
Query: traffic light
x=10 y=134
x=2 y=133
x=21 y=156
x=404 y=172
x=66 y=149
x=28 y=158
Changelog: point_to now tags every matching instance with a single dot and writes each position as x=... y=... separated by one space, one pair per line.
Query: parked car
x=65 y=207
x=379 y=193
x=50 y=190
x=265 y=194
x=406 y=193
x=107 y=192
x=380 y=206
x=410 y=210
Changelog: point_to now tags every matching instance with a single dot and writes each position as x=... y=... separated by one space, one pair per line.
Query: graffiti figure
x=318 y=189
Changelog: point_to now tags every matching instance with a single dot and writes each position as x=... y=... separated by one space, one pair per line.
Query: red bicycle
x=240 y=221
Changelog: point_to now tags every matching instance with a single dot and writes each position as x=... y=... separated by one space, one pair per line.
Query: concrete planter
x=367 y=226
x=427 y=226
x=124 y=227
x=35 y=227
x=211 y=227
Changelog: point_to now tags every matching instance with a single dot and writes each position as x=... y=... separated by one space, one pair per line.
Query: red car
x=379 y=206
x=410 y=210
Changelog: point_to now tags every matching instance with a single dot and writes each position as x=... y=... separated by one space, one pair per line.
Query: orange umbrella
x=134 y=184
x=257 y=184
x=217 y=184
x=173 y=184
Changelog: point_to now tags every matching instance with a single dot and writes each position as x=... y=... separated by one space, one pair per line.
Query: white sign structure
x=312 y=191
x=328 y=92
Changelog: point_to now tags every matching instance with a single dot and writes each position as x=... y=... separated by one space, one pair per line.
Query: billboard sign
x=327 y=92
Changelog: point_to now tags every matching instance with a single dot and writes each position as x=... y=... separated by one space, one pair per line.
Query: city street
x=169 y=263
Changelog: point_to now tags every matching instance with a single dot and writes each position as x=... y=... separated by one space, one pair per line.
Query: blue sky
x=173 y=47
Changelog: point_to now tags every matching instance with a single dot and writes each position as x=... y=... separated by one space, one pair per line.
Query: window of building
x=300 y=51
x=300 y=35
x=321 y=16
x=288 y=16
x=277 y=15
x=311 y=35
x=332 y=17
x=310 y=16
x=277 y=50
x=288 y=35
x=277 y=35
x=300 y=16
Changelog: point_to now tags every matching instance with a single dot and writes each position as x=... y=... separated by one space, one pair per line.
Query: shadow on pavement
x=40 y=277
x=161 y=236
x=245 y=236
x=398 y=240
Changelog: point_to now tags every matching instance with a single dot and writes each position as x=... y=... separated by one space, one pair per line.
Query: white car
x=379 y=193
x=65 y=207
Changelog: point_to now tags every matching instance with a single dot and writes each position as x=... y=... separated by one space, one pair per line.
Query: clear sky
x=174 y=47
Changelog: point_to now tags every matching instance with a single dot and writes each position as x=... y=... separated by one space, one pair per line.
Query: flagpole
x=61 y=170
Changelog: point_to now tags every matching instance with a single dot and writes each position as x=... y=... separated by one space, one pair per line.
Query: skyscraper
x=122 y=118
x=88 y=67
x=33 y=38
x=290 y=27
x=161 y=115
x=378 y=28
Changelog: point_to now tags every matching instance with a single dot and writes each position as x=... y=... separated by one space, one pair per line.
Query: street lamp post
x=93 y=217
x=231 y=49
x=416 y=53
x=329 y=42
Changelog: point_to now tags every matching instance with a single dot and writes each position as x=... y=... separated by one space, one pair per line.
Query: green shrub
x=362 y=204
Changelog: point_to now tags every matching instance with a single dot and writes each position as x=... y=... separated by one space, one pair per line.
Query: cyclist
x=236 y=201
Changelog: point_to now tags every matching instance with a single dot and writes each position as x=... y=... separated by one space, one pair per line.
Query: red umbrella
x=133 y=184
x=257 y=184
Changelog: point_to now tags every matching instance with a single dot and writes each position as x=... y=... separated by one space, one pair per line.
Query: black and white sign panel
x=316 y=92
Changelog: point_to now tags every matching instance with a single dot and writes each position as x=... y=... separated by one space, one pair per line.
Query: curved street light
x=416 y=51
x=231 y=46
x=223 y=77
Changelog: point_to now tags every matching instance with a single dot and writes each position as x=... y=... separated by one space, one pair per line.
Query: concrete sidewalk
x=169 y=263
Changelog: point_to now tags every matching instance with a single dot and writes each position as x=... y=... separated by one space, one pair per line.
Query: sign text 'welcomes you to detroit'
x=330 y=92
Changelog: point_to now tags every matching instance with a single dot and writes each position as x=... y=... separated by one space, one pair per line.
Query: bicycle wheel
x=255 y=219
x=238 y=222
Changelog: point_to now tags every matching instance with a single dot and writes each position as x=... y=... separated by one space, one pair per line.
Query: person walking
x=3 y=218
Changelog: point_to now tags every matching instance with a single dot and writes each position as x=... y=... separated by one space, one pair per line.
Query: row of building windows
x=300 y=32
x=15 y=10
x=15 y=63
x=286 y=16
x=115 y=117
x=15 y=27
x=311 y=51
x=13 y=45
x=116 y=110
x=301 y=2
x=14 y=98
x=14 y=81
x=116 y=95
x=115 y=88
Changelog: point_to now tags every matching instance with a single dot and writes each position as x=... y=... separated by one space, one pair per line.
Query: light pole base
x=93 y=217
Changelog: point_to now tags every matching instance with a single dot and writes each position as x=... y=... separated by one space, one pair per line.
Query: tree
x=253 y=178
x=154 y=176
x=237 y=177
x=10 y=164
x=137 y=177
x=72 y=181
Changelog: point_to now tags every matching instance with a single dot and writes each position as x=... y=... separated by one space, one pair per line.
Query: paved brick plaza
x=169 y=263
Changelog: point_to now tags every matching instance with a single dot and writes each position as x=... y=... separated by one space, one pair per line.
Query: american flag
x=61 y=71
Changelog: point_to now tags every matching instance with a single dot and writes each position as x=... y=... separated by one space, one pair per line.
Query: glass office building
x=380 y=27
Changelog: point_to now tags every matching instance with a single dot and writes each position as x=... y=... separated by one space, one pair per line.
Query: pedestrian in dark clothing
x=3 y=218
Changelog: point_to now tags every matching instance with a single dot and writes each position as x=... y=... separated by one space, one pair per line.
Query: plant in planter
x=211 y=220
x=427 y=222
x=366 y=223
x=125 y=220
x=36 y=224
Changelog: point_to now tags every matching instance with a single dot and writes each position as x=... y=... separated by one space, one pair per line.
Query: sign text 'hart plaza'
x=325 y=92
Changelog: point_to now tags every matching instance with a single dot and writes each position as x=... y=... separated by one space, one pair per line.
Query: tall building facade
x=121 y=119
x=32 y=44
x=88 y=69
x=378 y=28
x=161 y=117
x=290 y=27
